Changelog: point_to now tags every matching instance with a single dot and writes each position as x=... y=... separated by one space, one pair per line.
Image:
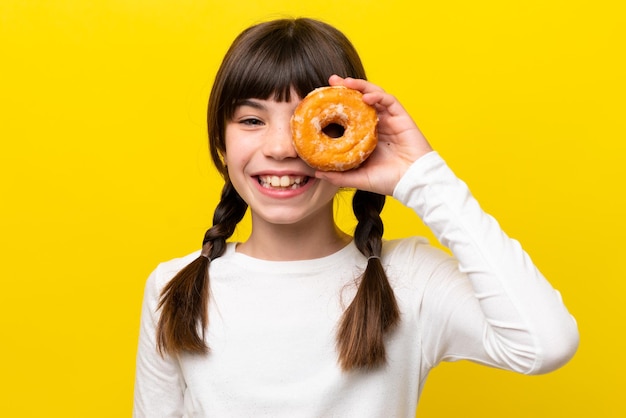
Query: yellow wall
x=104 y=173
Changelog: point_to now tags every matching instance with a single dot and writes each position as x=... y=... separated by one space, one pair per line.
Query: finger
x=351 y=179
x=359 y=84
x=363 y=86
x=384 y=102
x=372 y=94
x=335 y=80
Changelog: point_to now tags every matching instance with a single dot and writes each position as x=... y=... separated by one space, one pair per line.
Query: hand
x=400 y=143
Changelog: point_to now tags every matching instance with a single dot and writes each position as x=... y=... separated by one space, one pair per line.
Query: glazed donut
x=333 y=129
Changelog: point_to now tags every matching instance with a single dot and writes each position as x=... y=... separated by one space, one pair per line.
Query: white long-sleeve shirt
x=272 y=324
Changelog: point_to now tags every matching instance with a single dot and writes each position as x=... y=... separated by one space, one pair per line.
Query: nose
x=278 y=143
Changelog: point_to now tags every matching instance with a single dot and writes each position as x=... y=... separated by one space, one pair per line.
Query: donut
x=333 y=129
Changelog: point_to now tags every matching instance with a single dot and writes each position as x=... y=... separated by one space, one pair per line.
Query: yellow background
x=104 y=172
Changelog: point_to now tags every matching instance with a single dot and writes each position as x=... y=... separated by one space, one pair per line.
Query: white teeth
x=282 y=181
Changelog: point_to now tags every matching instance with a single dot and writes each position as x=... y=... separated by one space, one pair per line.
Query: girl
x=302 y=319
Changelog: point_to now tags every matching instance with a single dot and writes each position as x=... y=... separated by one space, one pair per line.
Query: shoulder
x=414 y=262
x=166 y=270
x=412 y=251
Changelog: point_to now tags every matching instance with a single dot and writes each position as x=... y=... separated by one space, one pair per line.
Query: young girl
x=302 y=319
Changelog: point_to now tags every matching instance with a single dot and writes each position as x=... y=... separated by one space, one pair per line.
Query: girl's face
x=267 y=173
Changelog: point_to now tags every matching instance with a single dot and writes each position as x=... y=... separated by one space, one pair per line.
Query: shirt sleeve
x=489 y=304
x=159 y=387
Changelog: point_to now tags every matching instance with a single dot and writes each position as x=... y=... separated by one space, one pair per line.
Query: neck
x=303 y=241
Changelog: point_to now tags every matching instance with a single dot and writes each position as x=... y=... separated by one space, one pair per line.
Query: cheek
x=230 y=158
x=232 y=170
x=235 y=163
x=328 y=190
x=239 y=149
x=236 y=178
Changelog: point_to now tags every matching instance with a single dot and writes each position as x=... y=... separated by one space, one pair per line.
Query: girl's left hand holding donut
x=400 y=143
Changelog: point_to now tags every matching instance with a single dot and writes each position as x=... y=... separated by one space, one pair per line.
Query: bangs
x=274 y=72
x=295 y=57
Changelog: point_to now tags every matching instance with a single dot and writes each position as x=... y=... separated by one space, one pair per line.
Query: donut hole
x=334 y=130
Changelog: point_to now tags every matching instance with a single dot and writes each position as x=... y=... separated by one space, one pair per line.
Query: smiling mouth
x=282 y=182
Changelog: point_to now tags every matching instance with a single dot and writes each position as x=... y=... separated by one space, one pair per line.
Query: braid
x=184 y=300
x=229 y=211
x=374 y=310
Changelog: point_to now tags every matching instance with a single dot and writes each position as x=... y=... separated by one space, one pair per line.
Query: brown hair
x=272 y=59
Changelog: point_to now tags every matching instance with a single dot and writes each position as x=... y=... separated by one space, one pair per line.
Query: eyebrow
x=250 y=102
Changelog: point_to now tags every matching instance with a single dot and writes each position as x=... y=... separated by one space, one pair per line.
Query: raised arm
x=500 y=309
x=492 y=305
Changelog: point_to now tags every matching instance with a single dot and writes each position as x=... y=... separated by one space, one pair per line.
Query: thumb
x=350 y=179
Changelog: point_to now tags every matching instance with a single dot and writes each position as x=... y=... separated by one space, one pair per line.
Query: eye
x=250 y=121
